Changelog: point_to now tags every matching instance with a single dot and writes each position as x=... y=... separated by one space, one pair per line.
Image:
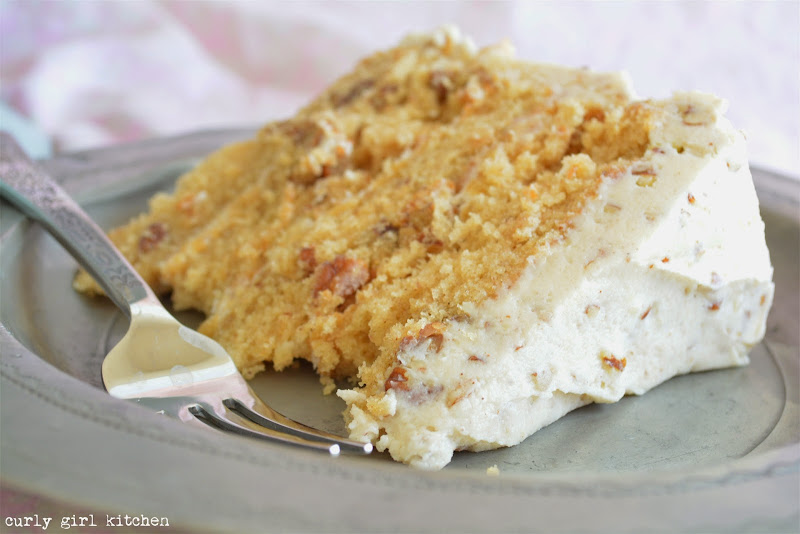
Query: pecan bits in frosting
x=397 y=380
x=433 y=331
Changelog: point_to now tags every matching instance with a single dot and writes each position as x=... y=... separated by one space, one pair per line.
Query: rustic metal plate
x=714 y=451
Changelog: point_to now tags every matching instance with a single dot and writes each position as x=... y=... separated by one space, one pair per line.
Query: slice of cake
x=480 y=244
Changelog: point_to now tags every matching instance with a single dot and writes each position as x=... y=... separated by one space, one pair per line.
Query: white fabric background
x=94 y=73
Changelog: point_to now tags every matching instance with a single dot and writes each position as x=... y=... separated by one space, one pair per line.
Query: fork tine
x=209 y=410
x=208 y=415
x=228 y=403
x=267 y=417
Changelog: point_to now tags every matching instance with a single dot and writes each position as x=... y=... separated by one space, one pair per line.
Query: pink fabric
x=95 y=73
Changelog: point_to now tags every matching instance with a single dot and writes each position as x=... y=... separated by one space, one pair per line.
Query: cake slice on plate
x=478 y=243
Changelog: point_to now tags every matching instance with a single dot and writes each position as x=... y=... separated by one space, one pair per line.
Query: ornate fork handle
x=31 y=190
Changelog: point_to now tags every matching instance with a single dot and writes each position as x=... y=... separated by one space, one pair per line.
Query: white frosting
x=678 y=279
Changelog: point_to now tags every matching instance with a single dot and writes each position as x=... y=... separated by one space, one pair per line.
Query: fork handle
x=28 y=187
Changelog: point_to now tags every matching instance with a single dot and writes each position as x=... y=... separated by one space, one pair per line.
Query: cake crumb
x=493 y=471
x=328 y=385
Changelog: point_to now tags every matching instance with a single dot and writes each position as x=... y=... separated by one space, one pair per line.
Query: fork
x=159 y=363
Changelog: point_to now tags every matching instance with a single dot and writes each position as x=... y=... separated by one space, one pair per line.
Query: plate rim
x=25 y=373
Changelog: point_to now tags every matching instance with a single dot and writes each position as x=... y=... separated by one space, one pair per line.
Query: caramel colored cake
x=480 y=244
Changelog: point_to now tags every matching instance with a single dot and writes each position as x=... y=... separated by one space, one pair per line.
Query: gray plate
x=715 y=451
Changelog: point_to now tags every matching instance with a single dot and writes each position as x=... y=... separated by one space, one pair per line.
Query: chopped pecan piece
x=307 y=134
x=384 y=95
x=307 y=260
x=422 y=393
x=442 y=84
x=407 y=342
x=693 y=116
x=594 y=113
x=385 y=228
x=151 y=237
x=611 y=362
x=353 y=93
x=433 y=331
x=613 y=172
x=397 y=380
x=646 y=176
x=433 y=245
x=343 y=276
x=457 y=396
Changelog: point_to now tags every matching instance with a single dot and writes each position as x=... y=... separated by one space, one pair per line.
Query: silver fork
x=159 y=363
